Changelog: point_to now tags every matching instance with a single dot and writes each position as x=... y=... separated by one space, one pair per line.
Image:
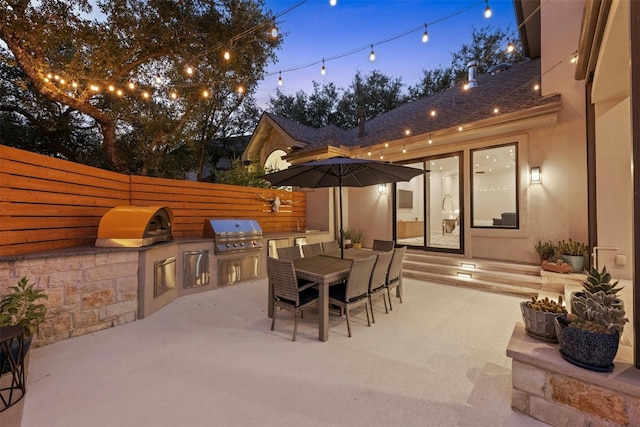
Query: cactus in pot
x=538 y=316
x=597 y=281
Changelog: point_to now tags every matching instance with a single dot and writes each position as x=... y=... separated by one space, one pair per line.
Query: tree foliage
x=378 y=93
x=149 y=43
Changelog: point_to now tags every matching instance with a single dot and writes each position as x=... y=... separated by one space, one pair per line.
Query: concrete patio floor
x=210 y=359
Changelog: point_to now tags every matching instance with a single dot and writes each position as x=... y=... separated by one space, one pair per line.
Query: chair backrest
x=312 y=249
x=380 y=270
x=383 y=245
x=395 y=268
x=359 y=277
x=282 y=276
x=331 y=246
x=290 y=252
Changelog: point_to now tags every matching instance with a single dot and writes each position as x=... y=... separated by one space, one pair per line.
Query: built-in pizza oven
x=135 y=226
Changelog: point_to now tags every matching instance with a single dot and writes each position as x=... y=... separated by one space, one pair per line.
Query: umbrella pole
x=341 y=230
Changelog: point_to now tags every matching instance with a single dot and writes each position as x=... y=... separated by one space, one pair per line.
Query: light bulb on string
x=205 y=93
x=487 y=10
x=333 y=2
x=227 y=55
x=369 y=152
x=280 y=79
x=404 y=149
x=189 y=70
x=511 y=47
x=274 y=31
x=241 y=89
x=381 y=156
x=430 y=140
x=372 y=55
x=425 y=35
x=323 y=70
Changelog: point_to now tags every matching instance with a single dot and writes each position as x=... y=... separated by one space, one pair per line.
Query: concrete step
x=493 y=276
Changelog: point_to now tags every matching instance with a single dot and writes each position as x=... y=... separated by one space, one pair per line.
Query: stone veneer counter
x=552 y=390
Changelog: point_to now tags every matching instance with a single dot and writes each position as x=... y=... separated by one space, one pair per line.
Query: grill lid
x=135 y=226
x=234 y=234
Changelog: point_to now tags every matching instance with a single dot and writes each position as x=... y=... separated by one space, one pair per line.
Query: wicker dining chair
x=394 y=278
x=290 y=253
x=354 y=292
x=332 y=246
x=378 y=282
x=312 y=249
x=286 y=293
x=383 y=245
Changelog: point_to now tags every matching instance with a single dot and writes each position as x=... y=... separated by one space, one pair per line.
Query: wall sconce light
x=535 y=175
x=382 y=188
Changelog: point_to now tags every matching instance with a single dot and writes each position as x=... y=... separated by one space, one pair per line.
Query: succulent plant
x=600 y=281
x=546 y=250
x=572 y=248
x=599 y=313
x=547 y=305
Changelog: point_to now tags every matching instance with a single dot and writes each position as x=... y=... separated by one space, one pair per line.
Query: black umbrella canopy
x=342 y=172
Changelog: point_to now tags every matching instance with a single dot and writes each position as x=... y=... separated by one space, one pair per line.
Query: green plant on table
x=21 y=307
x=357 y=235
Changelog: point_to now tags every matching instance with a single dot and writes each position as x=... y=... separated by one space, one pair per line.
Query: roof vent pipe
x=361 y=113
x=473 y=67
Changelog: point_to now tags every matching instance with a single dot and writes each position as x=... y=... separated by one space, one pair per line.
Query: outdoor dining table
x=325 y=270
x=352 y=253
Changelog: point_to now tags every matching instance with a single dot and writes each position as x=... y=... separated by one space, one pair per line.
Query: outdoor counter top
x=90 y=250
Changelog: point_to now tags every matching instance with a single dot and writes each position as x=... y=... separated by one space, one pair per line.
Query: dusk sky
x=315 y=30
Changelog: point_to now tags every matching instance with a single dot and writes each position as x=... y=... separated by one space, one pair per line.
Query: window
x=494 y=196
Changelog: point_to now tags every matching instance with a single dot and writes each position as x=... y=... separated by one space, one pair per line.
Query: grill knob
x=228 y=245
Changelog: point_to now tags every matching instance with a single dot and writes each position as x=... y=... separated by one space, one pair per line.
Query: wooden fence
x=48 y=203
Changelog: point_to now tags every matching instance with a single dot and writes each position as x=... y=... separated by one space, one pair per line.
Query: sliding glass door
x=429 y=208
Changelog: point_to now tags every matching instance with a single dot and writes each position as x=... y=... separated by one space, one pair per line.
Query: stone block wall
x=87 y=292
x=552 y=390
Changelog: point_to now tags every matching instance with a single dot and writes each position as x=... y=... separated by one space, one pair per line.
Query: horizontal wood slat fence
x=48 y=203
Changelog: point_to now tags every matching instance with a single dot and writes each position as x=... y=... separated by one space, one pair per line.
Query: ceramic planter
x=576 y=262
x=590 y=350
x=539 y=324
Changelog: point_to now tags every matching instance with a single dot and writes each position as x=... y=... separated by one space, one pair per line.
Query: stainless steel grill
x=234 y=235
x=238 y=243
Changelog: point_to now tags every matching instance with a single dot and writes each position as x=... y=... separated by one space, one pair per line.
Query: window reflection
x=494 y=183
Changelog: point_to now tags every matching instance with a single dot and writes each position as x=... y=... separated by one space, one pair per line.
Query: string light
x=433 y=112
x=280 y=79
x=425 y=35
x=226 y=55
x=205 y=93
x=386 y=145
x=323 y=70
x=333 y=2
x=369 y=152
x=274 y=31
x=404 y=149
x=496 y=110
x=574 y=58
x=381 y=156
x=189 y=70
x=536 y=87
x=430 y=140
x=174 y=95
x=132 y=85
x=372 y=55
x=487 y=10
x=240 y=89
x=510 y=47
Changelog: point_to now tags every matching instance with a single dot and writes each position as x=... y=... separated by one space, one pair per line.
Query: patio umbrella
x=341 y=172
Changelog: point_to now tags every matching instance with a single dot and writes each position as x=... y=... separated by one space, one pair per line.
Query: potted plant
x=21 y=307
x=356 y=238
x=595 y=282
x=573 y=253
x=591 y=342
x=539 y=315
x=346 y=235
x=547 y=253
